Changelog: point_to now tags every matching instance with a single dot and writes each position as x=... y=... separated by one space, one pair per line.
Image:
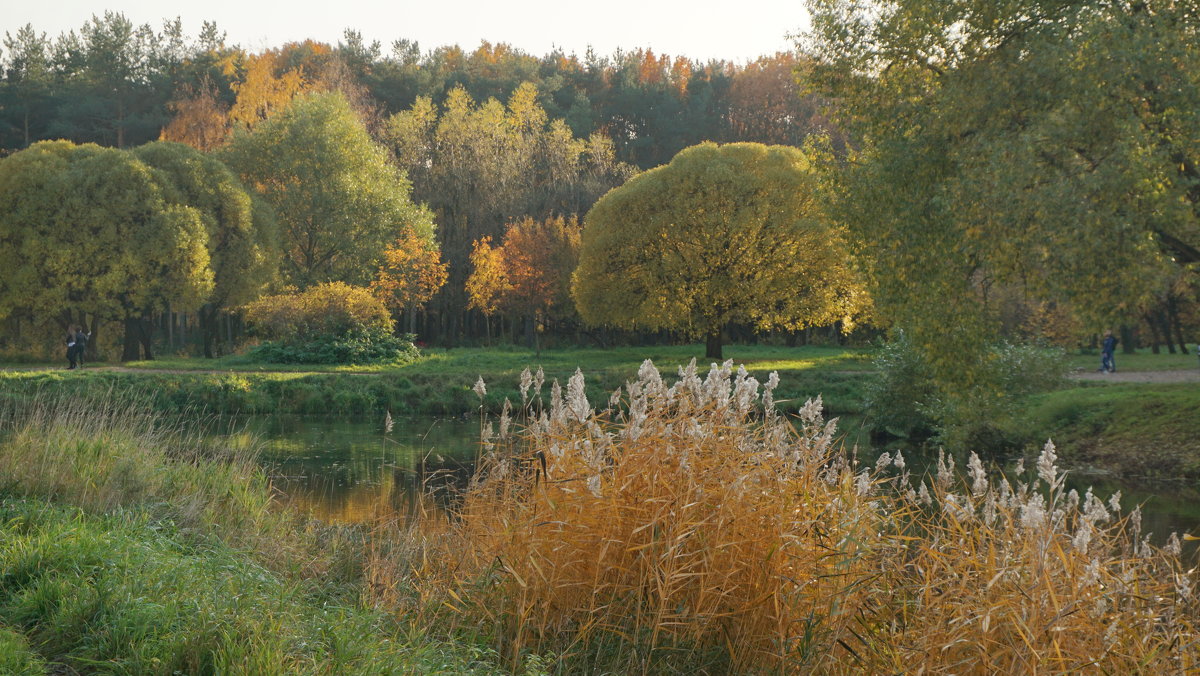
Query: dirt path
x=1191 y=376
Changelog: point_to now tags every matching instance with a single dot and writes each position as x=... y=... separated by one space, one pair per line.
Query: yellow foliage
x=334 y=308
x=721 y=234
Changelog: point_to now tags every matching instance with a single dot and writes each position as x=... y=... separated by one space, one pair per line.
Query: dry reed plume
x=692 y=528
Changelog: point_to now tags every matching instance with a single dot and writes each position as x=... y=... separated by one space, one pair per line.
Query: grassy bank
x=1130 y=429
x=440 y=383
x=129 y=549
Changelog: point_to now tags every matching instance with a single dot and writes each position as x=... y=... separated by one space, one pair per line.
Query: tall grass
x=681 y=529
x=130 y=546
x=108 y=453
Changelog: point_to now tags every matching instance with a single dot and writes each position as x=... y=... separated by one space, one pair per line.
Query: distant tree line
x=115 y=83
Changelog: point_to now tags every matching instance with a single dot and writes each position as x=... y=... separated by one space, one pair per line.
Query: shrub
x=689 y=533
x=903 y=400
x=358 y=347
x=334 y=308
x=332 y=323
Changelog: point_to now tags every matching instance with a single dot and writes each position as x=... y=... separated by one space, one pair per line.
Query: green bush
x=331 y=323
x=370 y=346
x=903 y=399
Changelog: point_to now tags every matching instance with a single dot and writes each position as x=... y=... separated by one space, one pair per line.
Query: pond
x=352 y=470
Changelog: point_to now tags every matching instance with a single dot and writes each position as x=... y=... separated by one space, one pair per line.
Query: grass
x=1129 y=429
x=684 y=533
x=440 y=383
x=129 y=549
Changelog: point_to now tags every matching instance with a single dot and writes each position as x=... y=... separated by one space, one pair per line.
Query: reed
x=688 y=527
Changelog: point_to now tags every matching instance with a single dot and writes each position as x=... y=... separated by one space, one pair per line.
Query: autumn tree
x=488 y=283
x=242 y=239
x=767 y=104
x=722 y=234
x=94 y=231
x=266 y=86
x=411 y=273
x=338 y=200
x=201 y=118
x=1049 y=146
x=529 y=273
x=480 y=166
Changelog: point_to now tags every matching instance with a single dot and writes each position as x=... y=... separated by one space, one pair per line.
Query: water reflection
x=352 y=471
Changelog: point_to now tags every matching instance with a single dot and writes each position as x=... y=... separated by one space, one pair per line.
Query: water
x=352 y=470
x=348 y=471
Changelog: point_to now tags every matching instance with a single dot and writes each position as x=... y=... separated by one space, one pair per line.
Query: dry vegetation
x=685 y=531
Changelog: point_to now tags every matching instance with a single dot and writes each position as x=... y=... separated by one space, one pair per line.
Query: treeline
x=115 y=83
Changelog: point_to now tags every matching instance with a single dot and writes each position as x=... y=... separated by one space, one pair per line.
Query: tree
x=1050 y=146
x=529 y=274
x=488 y=282
x=27 y=85
x=201 y=119
x=412 y=272
x=721 y=234
x=480 y=166
x=242 y=240
x=94 y=230
x=339 y=202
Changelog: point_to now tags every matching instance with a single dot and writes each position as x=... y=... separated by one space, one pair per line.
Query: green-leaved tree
x=338 y=200
x=722 y=234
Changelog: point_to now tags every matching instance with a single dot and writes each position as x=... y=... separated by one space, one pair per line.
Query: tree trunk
x=129 y=343
x=1128 y=345
x=712 y=345
x=1154 y=344
x=145 y=334
x=1165 y=327
x=90 y=352
x=208 y=329
x=1176 y=325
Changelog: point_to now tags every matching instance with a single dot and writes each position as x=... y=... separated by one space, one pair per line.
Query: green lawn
x=510 y=360
x=1128 y=428
x=440 y=382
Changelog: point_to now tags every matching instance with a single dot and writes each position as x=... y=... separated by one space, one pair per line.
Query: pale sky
x=738 y=30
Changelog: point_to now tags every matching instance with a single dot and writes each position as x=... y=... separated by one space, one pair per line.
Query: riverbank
x=1149 y=429
x=1143 y=420
x=440 y=383
x=129 y=548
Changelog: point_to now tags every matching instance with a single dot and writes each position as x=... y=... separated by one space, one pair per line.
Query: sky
x=738 y=30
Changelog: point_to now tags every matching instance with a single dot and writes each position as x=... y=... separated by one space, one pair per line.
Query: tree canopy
x=1048 y=146
x=721 y=234
x=96 y=230
x=339 y=201
x=242 y=240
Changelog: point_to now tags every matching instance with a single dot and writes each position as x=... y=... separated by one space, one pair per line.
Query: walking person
x=81 y=341
x=1107 y=363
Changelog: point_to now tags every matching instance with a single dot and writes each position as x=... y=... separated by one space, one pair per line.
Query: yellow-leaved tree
x=729 y=233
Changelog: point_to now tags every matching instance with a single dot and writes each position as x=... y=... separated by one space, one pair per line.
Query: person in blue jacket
x=1107 y=363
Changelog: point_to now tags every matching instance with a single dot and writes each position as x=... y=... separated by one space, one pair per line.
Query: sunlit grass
x=133 y=546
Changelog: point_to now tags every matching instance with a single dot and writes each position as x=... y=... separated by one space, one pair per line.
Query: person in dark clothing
x=81 y=341
x=71 y=331
x=1107 y=363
